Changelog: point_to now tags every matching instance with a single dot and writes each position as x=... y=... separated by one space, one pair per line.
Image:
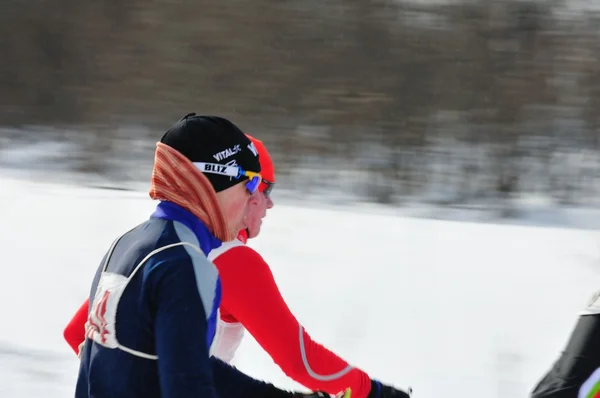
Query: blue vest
x=135 y=301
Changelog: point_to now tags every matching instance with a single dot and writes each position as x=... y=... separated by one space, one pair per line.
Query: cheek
x=267 y=204
x=254 y=220
x=240 y=207
x=245 y=207
x=252 y=211
x=256 y=211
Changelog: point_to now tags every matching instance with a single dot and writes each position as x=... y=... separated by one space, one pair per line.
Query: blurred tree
x=335 y=80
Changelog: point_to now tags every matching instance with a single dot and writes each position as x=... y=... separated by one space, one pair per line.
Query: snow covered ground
x=455 y=309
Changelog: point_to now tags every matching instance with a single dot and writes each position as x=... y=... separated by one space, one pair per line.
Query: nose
x=270 y=203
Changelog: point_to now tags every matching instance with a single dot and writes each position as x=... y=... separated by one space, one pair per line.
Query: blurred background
x=443 y=102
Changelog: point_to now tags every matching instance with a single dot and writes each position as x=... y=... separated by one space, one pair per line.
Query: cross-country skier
x=576 y=373
x=155 y=296
x=252 y=301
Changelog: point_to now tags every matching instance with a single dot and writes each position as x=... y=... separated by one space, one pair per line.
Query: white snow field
x=453 y=309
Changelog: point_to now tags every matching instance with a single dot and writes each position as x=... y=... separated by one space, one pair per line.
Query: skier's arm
x=180 y=329
x=576 y=371
x=254 y=299
x=183 y=293
x=228 y=382
x=74 y=332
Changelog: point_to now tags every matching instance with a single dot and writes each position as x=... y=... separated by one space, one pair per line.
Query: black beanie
x=213 y=139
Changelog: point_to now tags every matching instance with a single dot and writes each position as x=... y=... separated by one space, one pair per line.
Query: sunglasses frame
x=269 y=187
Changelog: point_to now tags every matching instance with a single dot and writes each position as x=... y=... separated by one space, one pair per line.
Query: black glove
x=275 y=392
x=321 y=394
x=379 y=390
x=317 y=394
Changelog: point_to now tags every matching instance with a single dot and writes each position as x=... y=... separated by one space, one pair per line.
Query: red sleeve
x=74 y=333
x=251 y=295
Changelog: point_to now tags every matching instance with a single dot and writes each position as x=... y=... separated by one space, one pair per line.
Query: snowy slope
x=453 y=309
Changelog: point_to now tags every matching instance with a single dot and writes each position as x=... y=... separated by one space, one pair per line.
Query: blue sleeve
x=180 y=324
x=231 y=383
x=181 y=327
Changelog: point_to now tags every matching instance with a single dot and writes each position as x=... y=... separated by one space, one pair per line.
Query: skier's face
x=257 y=210
x=234 y=203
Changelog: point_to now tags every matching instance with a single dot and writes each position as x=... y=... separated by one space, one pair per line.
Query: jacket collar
x=171 y=211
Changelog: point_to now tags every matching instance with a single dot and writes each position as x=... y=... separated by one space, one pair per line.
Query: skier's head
x=261 y=200
x=209 y=166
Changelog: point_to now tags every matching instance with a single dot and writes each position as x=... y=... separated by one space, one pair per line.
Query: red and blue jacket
x=152 y=317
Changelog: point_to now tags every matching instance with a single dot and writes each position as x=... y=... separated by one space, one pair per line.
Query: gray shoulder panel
x=206 y=273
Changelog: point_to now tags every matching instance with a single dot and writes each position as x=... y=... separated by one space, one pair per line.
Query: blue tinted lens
x=269 y=188
x=252 y=184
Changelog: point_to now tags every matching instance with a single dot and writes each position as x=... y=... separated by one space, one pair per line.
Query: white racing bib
x=100 y=326
x=101 y=323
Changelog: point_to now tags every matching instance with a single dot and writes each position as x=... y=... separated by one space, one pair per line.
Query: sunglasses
x=269 y=187
x=254 y=179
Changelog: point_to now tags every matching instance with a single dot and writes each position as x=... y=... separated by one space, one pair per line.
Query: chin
x=253 y=232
